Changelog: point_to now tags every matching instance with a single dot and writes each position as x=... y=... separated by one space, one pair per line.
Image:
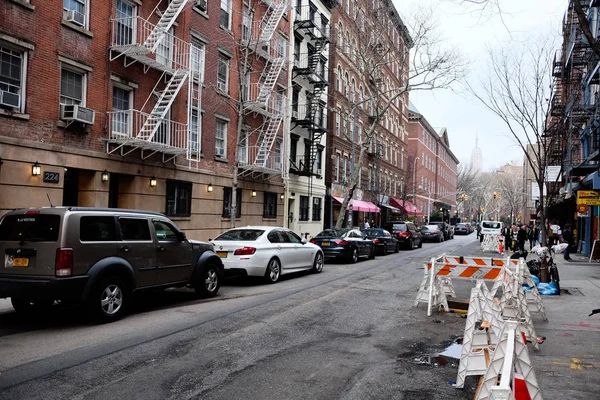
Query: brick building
x=433 y=165
x=130 y=104
x=368 y=65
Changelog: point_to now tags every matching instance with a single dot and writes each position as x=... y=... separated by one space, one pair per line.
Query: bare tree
x=424 y=64
x=516 y=89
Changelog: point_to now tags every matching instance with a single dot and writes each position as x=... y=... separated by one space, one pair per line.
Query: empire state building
x=476 y=156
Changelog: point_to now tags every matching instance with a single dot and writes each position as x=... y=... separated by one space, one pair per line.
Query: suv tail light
x=63 y=265
x=245 y=251
x=341 y=242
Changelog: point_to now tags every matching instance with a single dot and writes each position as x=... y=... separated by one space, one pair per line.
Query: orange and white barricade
x=510 y=374
x=439 y=272
x=482 y=331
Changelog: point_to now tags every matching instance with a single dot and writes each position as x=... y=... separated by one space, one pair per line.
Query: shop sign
x=588 y=197
x=583 y=211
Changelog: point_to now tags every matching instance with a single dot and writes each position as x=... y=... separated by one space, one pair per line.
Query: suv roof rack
x=123 y=210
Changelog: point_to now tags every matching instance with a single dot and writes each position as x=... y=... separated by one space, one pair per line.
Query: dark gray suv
x=98 y=257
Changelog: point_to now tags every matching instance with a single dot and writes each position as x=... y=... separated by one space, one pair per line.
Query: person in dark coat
x=568 y=239
x=533 y=235
x=521 y=238
x=507 y=233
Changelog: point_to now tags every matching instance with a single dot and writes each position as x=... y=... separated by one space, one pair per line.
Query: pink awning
x=360 y=205
x=409 y=207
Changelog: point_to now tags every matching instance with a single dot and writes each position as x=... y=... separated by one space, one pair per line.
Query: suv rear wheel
x=208 y=285
x=109 y=299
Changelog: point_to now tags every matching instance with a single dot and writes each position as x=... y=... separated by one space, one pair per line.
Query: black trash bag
x=534 y=267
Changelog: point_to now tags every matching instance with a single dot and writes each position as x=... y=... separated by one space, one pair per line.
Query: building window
x=223 y=74
x=76 y=12
x=282 y=46
x=338 y=79
x=270 y=205
x=12 y=77
x=319 y=161
x=225 y=14
x=197 y=54
x=72 y=87
x=247 y=18
x=221 y=139
x=316 y=211
x=164 y=51
x=195 y=131
x=125 y=27
x=121 y=116
x=277 y=155
x=345 y=172
x=336 y=169
x=227 y=202
x=303 y=208
x=179 y=199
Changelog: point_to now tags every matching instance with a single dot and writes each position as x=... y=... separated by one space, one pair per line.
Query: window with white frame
x=13 y=70
x=72 y=86
x=337 y=122
x=195 y=131
x=223 y=73
x=221 y=138
x=247 y=17
x=164 y=51
x=277 y=154
x=197 y=56
x=121 y=111
x=282 y=46
x=126 y=22
x=225 y=20
x=75 y=11
x=242 y=153
x=345 y=171
x=336 y=168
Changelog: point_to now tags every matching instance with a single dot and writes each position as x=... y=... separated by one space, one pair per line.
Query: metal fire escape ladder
x=162 y=105
x=271 y=20
x=268 y=139
x=165 y=23
x=268 y=79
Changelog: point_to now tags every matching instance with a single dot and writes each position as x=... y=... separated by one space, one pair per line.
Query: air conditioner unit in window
x=319 y=171
x=75 y=17
x=295 y=114
x=220 y=152
x=74 y=112
x=9 y=99
x=201 y=4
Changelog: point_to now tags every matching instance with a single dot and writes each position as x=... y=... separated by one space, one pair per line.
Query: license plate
x=222 y=254
x=325 y=244
x=20 y=262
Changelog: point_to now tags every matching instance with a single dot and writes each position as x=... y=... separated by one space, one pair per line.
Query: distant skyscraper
x=476 y=156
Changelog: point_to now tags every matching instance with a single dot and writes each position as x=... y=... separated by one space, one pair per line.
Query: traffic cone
x=501 y=248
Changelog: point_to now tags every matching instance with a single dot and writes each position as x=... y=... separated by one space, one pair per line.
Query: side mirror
x=181 y=236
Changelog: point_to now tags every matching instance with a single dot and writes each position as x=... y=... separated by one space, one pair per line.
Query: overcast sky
x=465 y=28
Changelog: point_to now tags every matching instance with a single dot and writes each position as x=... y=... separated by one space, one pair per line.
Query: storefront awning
x=409 y=207
x=392 y=208
x=360 y=205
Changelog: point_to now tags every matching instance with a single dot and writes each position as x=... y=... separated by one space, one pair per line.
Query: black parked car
x=462 y=229
x=445 y=228
x=406 y=233
x=432 y=233
x=349 y=244
x=384 y=241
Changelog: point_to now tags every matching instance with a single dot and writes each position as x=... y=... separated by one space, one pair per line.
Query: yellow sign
x=588 y=197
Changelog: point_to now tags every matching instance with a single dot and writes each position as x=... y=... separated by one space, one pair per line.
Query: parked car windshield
x=373 y=232
x=241 y=234
x=399 y=227
x=332 y=233
x=430 y=228
x=30 y=228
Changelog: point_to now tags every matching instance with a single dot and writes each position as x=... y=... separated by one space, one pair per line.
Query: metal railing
x=300 y=113
x=125 y=126
x=247 y=156
x=319 y=24
x=275 y=104
x=129 y=36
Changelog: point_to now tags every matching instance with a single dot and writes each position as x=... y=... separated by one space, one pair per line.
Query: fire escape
x=262 y=98
x=577 y=109
x=309 y=68
x=151 y=129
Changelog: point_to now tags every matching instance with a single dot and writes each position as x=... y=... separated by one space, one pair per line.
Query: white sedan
x=266 y=251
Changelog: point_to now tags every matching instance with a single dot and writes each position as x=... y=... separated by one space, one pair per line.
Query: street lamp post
x=428 y=202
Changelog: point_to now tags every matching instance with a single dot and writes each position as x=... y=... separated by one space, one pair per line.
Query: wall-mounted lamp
x=104 y=176
x=36 y=169
x=209 y=188
x=253 y=193
x=282 y=196
x=153 y=182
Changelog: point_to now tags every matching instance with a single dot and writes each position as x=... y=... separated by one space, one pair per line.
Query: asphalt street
x=350 y=332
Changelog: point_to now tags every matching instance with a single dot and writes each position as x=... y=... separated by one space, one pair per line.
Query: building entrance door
x=71 y=188
x=113 y=191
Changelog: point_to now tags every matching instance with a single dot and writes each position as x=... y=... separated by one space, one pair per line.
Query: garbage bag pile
x=548 y=289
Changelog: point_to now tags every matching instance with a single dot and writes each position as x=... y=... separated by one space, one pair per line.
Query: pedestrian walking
x=567 y=236
x=367 y=226
x=507 y=233
x=521 y=238
x=534 y=232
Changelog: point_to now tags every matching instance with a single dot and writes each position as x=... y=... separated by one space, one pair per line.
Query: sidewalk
x=568 y=364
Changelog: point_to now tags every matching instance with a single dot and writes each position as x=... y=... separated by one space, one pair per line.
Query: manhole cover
x=571 y=291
